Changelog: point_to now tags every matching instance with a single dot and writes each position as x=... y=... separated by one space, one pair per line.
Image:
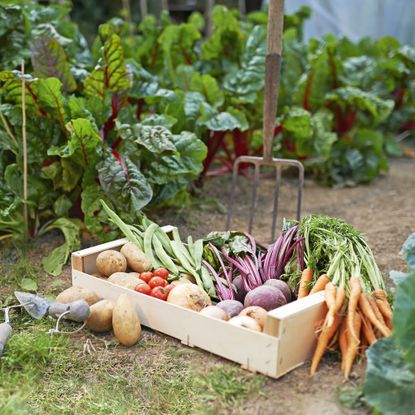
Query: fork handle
x=272 y=72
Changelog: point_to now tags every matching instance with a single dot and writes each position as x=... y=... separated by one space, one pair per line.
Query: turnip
x=189 y=296
x=246 y=322
x=281 y=285
x=257 y=313
x=266 y=297
x=214 y=312
x=231 y=307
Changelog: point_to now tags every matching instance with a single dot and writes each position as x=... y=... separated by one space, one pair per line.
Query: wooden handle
x=272 y=71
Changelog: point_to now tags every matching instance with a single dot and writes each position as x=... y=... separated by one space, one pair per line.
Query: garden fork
x=272 y=76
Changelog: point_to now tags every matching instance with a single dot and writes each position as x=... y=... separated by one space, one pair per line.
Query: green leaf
x=162 y=120
x=123 y=183
x=224 y=121
x=390 y=379
x=209 y=88
x=154 y=138
x=404 y=316
x=28 y=284
x=408 y=252
x=54 y=262
x=111 y=72
x=49 y=60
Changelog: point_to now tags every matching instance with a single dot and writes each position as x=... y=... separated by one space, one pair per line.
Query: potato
x=110 y=261
x=124 y=279
x=136 y=258
x=77 y=293
x=100 y=317
x=125 y=322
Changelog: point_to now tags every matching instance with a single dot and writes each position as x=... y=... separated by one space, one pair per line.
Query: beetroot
x=265 y=296
x=240 y=293
x=231 y=307
x=281 y=285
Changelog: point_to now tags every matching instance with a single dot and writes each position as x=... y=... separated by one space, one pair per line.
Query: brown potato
x=124 y=279
x=136 y=258
x=125 y=322
x=77 y=293
x=110 y=261
x=100 y=317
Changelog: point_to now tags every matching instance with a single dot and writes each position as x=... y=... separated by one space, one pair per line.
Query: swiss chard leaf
x=49 y=60
x=54 y=262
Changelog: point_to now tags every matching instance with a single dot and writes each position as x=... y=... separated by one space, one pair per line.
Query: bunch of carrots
x=351 y=324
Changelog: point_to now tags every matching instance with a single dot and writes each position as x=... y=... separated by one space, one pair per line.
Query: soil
x=383 y=210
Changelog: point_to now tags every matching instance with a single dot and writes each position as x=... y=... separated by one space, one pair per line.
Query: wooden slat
x=255 y=351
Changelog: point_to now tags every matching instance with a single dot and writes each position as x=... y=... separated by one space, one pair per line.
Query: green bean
x=185 y=252
x=208 y=285
x=197 y=252
x=163 y=257
x=148 y=251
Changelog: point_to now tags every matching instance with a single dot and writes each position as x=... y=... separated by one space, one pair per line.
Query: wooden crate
x=287 y=342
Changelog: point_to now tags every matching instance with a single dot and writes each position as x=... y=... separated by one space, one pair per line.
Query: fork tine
x=276 y=201
x=254 y=198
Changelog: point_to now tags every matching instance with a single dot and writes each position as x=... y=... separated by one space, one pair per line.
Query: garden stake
x=272 y=76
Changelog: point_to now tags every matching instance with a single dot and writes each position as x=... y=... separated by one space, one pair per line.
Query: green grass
x=44 y=374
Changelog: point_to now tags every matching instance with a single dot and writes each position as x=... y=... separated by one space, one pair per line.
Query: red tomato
x=143 y=288
x=157 y=282
x=146 y=276
x=169 y=288
x=159 y=292
x=162 y=273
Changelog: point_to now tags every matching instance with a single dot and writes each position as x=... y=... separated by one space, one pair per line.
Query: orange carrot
x=343 y=341
x=355 y=290
x=338 y=303
x=322 y=342
x=320 y=284
x=383 y=304
x=306 y=277
x=330 y=295
x=363 y=345
x=353 y=345
x=368 y=330
x=375 y=309
x=368 y=312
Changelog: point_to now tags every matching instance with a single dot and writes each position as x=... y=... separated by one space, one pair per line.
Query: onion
x=246 y=322
x=214 y=312
x=181 y=281
x=189 y=296
x=231 y=307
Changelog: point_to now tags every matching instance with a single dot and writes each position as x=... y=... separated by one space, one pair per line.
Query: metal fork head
x=257 y=163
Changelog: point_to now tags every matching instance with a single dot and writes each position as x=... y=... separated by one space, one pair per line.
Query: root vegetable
x=338 y=303
x=368 y=312
x=125 y=322
x=266 y=297
x=136 y=259
x=100 y=318
x=246 y=322
x=355 y=291
x=368 y=330
x=134 y=274
x=110 y=261
x=323 y=340
x=231 y=307
x=306 y=277
x=383 y=304
x=257 y=313
x=189 y=296
x=281 y=285
x=320 y=284
x=124 y=279
x=240 y=292
x=214 y=312
x=352 y=345
x=77 y=293
x=343 y=341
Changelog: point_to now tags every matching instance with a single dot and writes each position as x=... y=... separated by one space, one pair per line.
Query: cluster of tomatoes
x=155 y=284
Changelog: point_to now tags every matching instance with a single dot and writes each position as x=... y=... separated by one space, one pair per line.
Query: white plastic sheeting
x=358 y=18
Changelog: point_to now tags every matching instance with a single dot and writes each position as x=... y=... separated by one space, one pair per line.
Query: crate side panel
x=255 y=351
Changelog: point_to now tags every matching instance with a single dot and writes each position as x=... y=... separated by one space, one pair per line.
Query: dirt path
x=385 y=211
